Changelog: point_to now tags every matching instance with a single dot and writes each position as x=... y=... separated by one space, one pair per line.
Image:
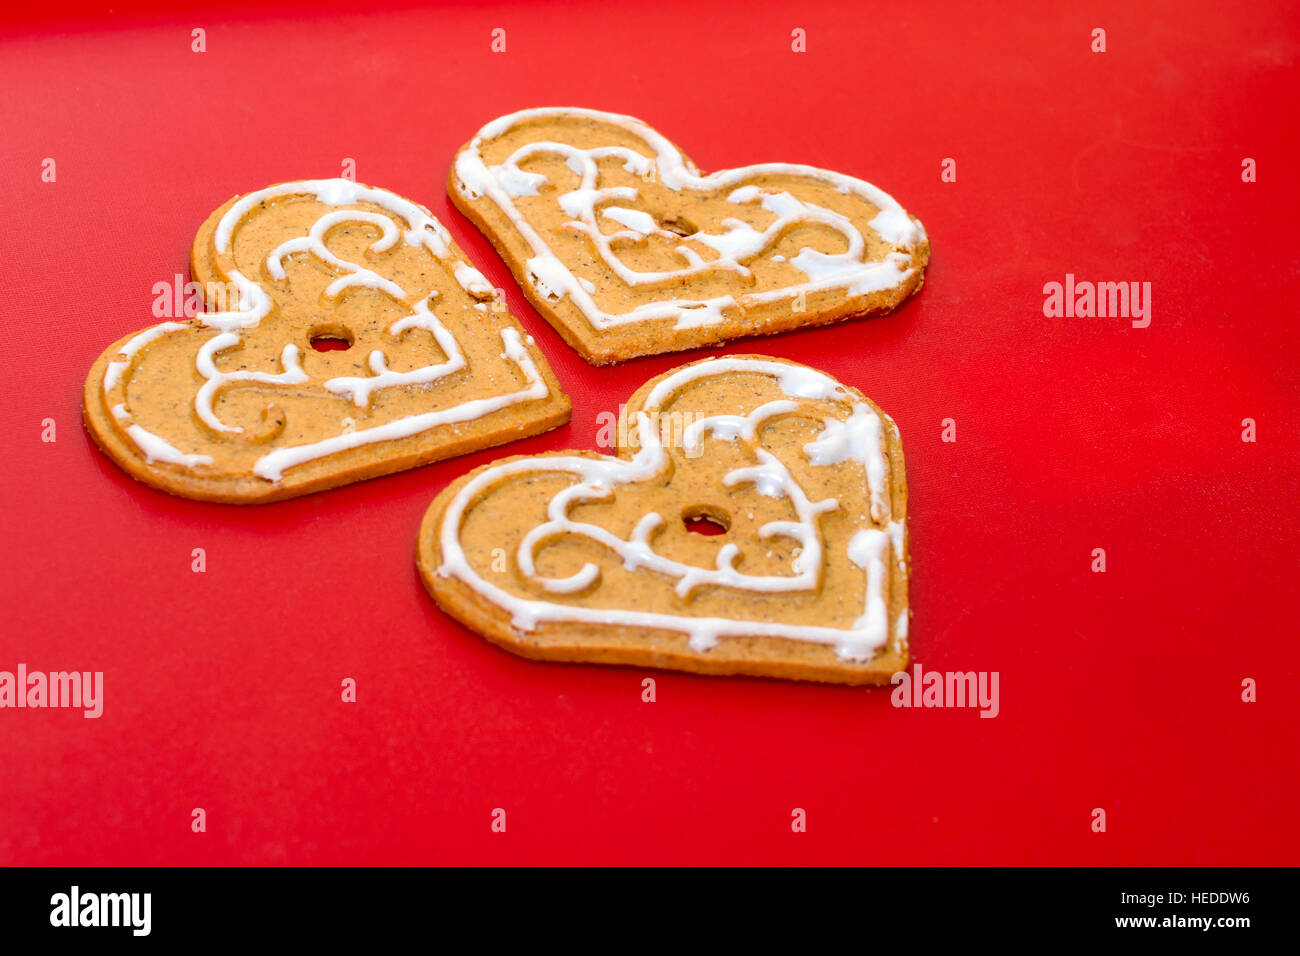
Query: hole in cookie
x=683 y=227
x=706 y=521
x=330 y=338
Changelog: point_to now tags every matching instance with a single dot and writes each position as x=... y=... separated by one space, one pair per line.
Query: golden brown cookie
x=577 y=556
x=627 y=249
x=238 y=403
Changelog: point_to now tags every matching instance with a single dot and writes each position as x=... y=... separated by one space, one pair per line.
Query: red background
x=1118 y=690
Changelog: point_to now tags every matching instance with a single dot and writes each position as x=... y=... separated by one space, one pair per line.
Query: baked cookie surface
x=627 y=249
x=242 y=404
x=578 y=556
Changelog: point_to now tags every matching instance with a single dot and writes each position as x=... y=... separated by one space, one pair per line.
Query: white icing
x=549 y=277
x=858 y=438
x=339 y=192
x=731 y=427
x=292 y=375
x=831 y=272
x=850 y=270
x=597 y=478
x=743 y=242
x=273 y=465
x=797 y=381
x=471 y=280
x=639 y=222
x=354 y=275
x=770 y=477
x=405 y=222
x=255 y=304
x=516 y=181
x=156 y=449
x=896 y=533
x=113 y=374
x=866 y=550
x=360 y=389
x=896 y=227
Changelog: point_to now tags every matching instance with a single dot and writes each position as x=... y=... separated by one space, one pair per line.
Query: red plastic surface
x=1120 y=691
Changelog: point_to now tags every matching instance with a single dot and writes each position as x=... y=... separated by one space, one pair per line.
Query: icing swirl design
x=330 y=258
x=805 y=473
x=612 y=231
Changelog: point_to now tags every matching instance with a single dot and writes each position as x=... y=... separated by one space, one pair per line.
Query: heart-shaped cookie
x=585 y=557
x=243 y=402
x=627 y=249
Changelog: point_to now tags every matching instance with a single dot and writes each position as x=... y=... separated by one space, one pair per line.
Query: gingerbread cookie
x=240 y=404
x=578 y=556
x=627 y=249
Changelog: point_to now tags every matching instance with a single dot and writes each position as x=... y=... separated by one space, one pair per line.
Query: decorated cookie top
x=242 y=402
x=580 y=556
x=628 y=249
